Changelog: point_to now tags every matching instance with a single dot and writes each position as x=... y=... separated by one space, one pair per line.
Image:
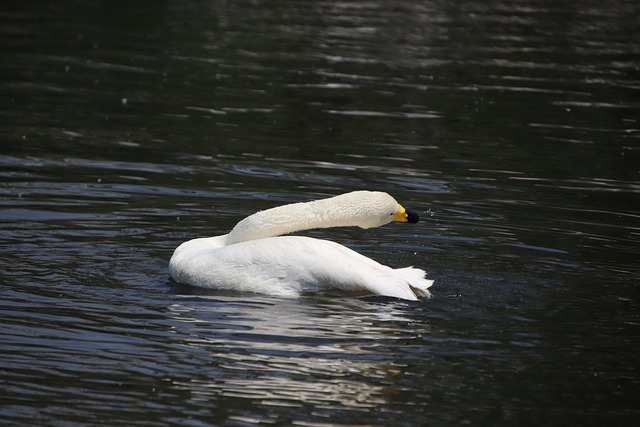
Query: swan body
x=256 y=257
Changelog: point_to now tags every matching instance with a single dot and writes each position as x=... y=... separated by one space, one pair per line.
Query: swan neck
x=290 y=218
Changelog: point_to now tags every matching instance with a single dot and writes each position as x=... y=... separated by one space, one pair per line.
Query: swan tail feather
x=417 y=280
x=406 y=283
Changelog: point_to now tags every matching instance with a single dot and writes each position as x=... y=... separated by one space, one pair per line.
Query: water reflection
x=297 y=352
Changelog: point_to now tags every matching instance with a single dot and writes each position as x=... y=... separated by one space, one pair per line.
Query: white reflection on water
x=329 y=353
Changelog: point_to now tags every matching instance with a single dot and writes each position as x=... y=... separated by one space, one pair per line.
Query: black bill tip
x=412 y=217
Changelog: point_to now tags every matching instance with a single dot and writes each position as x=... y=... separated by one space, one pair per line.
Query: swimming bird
x=256 y=256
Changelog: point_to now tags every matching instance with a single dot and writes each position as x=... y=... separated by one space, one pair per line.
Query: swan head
x=375 y=208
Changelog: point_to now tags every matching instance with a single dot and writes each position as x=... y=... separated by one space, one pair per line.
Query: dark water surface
x=129 y=127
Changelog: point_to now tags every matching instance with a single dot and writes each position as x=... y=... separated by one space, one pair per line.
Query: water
x=513 y=128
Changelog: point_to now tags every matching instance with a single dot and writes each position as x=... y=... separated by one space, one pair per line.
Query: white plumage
x=255 y=257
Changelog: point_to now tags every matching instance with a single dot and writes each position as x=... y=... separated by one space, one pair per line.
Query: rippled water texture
x=512 y=127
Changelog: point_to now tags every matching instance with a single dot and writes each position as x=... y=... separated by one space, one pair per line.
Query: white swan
x=253 y=258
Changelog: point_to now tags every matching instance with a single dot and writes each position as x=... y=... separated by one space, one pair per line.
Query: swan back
x=290 y=266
